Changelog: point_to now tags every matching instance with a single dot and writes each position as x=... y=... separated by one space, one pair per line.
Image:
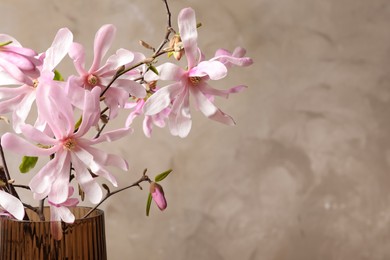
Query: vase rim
x=96 y=213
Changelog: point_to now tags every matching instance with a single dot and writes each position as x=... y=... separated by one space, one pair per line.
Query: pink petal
x=12 y=205
x=91 y=111
x=55 y=108
x=66 y=215
x=214 y=69
x=209 y=110
x=60 y=187
x=18 y=60
x=59 y=48
x=41 y=183
x=75 y=91
x=34 y=135
x=102 y=158
x=77 y=54
x=162 y=98
x=18 y=145
x=103 y=40
x=189 y=35
x=207 y=90
x=14 y=71
x=133 y=88
x=23 y=110
x=121 y=57
x=7 y=79
x=166 y=71
x=91 y=188
x=12 y=92
x=180 y=117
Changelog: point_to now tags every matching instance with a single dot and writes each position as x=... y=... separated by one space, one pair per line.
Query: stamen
x=195 y=80
x=69 y=144
x=35 y=83
x=92 y=80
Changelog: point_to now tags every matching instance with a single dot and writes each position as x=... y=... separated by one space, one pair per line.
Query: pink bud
x=158 y=195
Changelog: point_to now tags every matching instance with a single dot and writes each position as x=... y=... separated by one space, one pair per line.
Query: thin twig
x=159 y=51
x=109 y=193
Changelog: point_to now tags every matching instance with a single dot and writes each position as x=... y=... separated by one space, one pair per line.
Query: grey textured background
x=303 y=175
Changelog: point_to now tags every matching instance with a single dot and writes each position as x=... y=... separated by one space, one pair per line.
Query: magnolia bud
x=177 y=45
x=158 y=195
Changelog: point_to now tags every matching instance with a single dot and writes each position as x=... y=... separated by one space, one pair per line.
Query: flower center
x=195 y=80
x=35 y=83
x=69 y=144
x=92 y=80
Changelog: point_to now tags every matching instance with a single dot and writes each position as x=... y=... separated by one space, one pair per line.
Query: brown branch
x=159 y=51
x=143 y=178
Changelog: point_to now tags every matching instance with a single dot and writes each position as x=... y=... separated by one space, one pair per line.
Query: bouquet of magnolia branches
x=69 y=109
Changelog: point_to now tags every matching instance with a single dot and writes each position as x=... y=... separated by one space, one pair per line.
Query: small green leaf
x=153 y=68
x=5 y=43
x=58 y=76
x=162 y=176
x=28 y=163
x=148 y=204
x=170 y=54
x=78 y=123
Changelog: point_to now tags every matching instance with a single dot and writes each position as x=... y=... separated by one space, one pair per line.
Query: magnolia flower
x=9 y=205
x=148 y=122
x=68 y=147
x=61 y=211
x=19 y=100
x=191 y=81
x=16 y=60
x=101 y=75
x=158 y=195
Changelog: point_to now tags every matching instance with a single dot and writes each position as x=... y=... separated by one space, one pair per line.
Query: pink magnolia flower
x=149 y=121
x=60 y=212
x=191 y=81
x=158 y=195
x=100 y=75
x=9 y=205
x=19 y=100
x=17 y=60
x=68 y=146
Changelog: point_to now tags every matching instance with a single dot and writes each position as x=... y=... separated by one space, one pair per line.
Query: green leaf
x=5 y=43
x=153 y=68
x=148 y=204
x=58 y=76
x=162 y=176
x=28 y=163
x=78 y=123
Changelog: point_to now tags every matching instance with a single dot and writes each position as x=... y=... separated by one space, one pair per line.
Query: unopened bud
x=177 y=45
x=158 y=195
x=146 y=45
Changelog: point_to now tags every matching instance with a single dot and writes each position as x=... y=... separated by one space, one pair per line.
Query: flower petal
x=18 y=145
x=162 y=98
x=180 y=117
x=91 y=188
x=59 y=48
x=214 y=69
x=189 y=35
x=103 y=40
x=12 y=205
x=209 y=110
